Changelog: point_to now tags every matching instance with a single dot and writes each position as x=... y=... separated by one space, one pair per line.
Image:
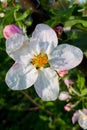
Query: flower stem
x=78 y=94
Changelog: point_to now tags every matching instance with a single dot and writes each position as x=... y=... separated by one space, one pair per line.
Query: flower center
x=40 y=60
x=84 y=117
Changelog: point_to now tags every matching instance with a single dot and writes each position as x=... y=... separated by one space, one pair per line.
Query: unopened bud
x=10 y=30
x=64 y=96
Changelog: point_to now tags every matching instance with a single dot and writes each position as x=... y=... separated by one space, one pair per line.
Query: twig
x=62 y=4
x=29 y=98
x=36 y=104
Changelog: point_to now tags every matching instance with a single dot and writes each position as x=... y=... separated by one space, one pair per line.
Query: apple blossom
x=37 y=61
x=81 y=117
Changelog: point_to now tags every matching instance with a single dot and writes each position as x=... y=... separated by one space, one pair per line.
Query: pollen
x=40 y=60
x=84 y=116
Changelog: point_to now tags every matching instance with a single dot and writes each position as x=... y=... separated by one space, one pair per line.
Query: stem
x=36 y=104
x=29 y=98
x=62 y=5
x=13 y=3
x=71 y=89
x=78 y=94
x=77 y=103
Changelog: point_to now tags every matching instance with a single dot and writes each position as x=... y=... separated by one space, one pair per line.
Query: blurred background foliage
x=21 y=110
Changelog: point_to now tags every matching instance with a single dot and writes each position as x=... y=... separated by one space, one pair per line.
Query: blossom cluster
x=40 y=61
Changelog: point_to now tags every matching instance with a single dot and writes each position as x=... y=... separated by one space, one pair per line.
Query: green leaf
x=49 y=104
x=80 y=82
x=75 y=21
x=84 y=92
x=24 y=15
x=1 y=31
x=8 y=19
x=44 y=118
x=80 y=39
x=79 y=26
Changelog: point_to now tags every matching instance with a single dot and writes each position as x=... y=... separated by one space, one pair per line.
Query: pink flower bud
x=68 y=107
x=10 y=30
x=64 y=96
x=62 y=72
x=68 y=82
x=59 y=30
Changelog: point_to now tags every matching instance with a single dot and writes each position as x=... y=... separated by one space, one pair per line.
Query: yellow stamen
x=40 y=60
x=84 y=116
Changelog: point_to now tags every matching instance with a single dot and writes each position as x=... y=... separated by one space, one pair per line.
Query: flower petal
x=19 y=78
x=83 y=122
x=84 y=111
x=36 y=47
x=47 y=86
x=16 y=45
x=45 y=33
x=65 y=57
x=75 y=117
x=63 y=96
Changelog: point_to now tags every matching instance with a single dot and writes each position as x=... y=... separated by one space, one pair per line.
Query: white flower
x=36 y=60
x=81 y=117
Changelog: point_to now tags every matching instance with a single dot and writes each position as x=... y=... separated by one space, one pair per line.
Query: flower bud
x=68 y=82
x=2 y=15
x=59 y=30
x=62 y=73
x=10 y=30
x=68 y=107
x=64 y=96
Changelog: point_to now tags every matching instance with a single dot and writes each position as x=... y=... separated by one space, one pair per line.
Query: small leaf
x=79 y=26
x=24 y=15
x=80 y=82
x=44 y=118
x=84 y=92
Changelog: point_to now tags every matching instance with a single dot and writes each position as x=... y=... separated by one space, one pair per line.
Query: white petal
x=84 y=111
x=36 y=47
x=75 y=117
x=47 y=86
x=83 y=122
x=64 y=96
x=19 y=78
x=66 y=57
x=45 y=33
x=16 y=45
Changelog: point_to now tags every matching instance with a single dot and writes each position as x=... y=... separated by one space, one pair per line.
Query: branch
x=36 y=104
